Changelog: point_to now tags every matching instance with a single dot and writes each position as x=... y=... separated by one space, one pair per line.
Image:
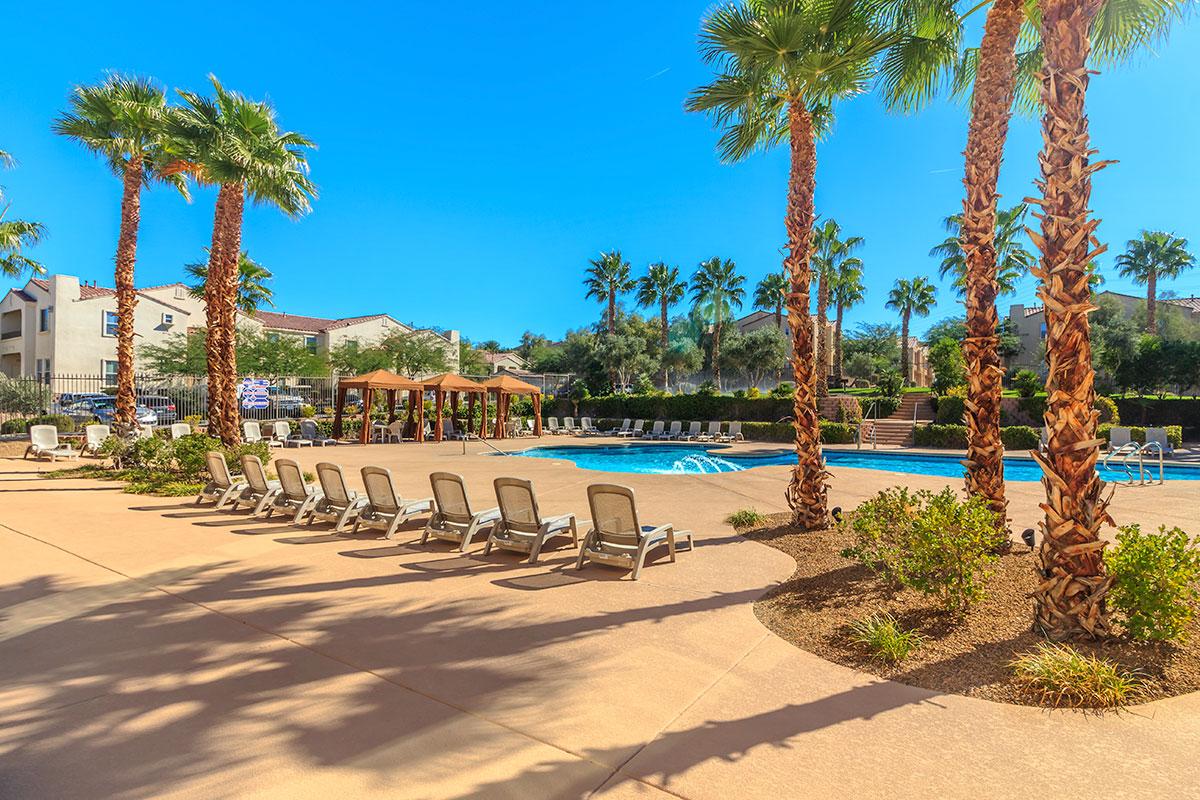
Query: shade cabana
x=504 y=387
x=453 y=387
x=379 y=380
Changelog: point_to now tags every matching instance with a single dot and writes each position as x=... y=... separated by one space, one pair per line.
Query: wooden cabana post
x=505 y=386
x=454 y=385
x=471 y=412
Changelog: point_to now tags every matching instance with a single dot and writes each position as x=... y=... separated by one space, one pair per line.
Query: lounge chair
x=569 y=426
x=693 y=432
x=675 y=432
x=586 y=428
x=43 y=441
x=338 y=504
x=637 y=431
x=552 y=426
x=452 y=518
x=712 y=434
x=734 y=434
x=252 y=433
x=621 y=431
x=283 y=433
x=450 y=432
x=1159 y=437
x=294 y=494
x=1118 y=437
x=221 y=486
x=528 y=429
x=385 y=509
x=521 y=526
x=310 y=432
x=259 y=491
x=180 y=429
x=617 y=537
x=95 y=436
x=656 y=431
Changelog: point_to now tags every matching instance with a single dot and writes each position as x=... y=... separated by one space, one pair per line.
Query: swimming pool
x=697 y=459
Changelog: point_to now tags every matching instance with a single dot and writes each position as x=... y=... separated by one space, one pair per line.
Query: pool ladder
x=873 y=413
x=1130 y=450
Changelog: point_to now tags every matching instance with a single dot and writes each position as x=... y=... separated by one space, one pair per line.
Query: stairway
x=897 y=430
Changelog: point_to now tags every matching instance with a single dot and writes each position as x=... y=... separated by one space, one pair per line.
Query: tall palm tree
x=916 y=296
x=122 y=121
x=235 y=143
x=1013 y=260
x=17 y=235
x=831 y=253
x=254 y=290
x=848 y=291
x=771 y=294
x=780 y=65
x=607 y=279
x=1154 y=255
x=716 y=290
x=661 y=286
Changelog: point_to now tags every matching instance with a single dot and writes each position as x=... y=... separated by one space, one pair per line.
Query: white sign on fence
x=256 y=393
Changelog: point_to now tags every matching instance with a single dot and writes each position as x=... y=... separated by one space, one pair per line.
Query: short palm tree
x=607 y=279
x=781 y=64
x=771 y=294
x=661 y=286
x=831 y=254
x=716 y=290
x=17 y=235
x=909 y=297
x=254 y=290
x=1013 y=259
x=235 y=143
x=1154 y=256
x=848 y=291
x=122 y=120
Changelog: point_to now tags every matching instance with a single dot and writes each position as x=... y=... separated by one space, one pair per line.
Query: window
x=110 y=323
x=44 y=320
x=109 y=371
x=1042 y=332
x=181 y=293
x=42 y=370
x=310 y=344
x=168 y=319
x=272 y=337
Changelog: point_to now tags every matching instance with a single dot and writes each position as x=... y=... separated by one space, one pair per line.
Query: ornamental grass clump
x=1156 y=582
x=745 y=518
x=1058 y=675
x=933 y=543
x=884 y=637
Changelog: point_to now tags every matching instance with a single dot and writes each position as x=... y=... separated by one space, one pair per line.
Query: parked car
x=285 y=404
x=67 y=399
x=162 y=405
x=102 y=410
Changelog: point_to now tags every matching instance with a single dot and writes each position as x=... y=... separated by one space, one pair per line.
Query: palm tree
x=661 y=286
x=122 y=121
x=1155 y=255
x=17 y=235
x=781 y=65
x=235 y=143
x=717 y=290
x=916 y=296
x=607 y=279
x=831 y=254
x=771 y=294
x=848 y=291
x=253 y=289
x=1013 y=260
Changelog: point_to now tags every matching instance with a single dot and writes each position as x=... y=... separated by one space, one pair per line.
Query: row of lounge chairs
x=616 y=535
x=43 y=440
x=1120 y=437
x=282 y=436
x=659 y=430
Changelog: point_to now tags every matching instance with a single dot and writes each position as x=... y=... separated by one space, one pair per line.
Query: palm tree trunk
x=904 y=354
x=612 y=309
x=991 y=107
x=779 y=316
x=662 y=321
x=1152 y=302
x=806 y=493
x=225 y=302
x=125 y=413
x=1070 y=598
x=716 y=351
x=821 y=377
x=838 y=378
x=212 y=316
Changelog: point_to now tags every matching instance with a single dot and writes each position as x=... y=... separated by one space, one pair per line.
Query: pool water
x=693 y=459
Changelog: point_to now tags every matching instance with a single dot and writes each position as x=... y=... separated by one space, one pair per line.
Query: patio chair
x=450 y=432
x=283 y=433
x=693 y=432
x=180 y=429
x=734 y=434
x=252 y=433
x=310 y=432
x=43 y=441
x=259 y=491
x=294 y=494
x=521 y=526
x=1118 y=437
x=621 y=431
x=338 y=504
x=675 y=432
x=636 y=432
x=221 y=486
x=655 y=431
x=552 y=426
x=569 y=426
x=712 y=434
x=586 y=428
x=1159 y=437
x=385 y=508
x=528 y=429
x=617 y=537
x=452 y=518
x=94 y=438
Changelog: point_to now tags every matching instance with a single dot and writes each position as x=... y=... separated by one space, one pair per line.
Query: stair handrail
x=1126 y=451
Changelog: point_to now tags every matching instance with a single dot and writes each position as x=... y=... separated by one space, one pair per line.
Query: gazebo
x=454 y=386
x=379 y=380
x=505 y=386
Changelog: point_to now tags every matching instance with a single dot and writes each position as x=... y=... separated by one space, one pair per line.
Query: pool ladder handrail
x=873 y=413
x=1128 y=451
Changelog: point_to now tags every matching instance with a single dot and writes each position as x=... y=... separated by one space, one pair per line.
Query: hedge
x=61 y=421
x=831 y=432
x=1152 y=412
x=1138 y=434
x=681 y=407
x=1014 y=437
x=950 y=410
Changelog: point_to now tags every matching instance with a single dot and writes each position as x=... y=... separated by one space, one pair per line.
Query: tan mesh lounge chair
x=94 y=438
x=452 y=518
x=338 y=504
x=655 y=431
x=521 y=526
x=180 y=429
x=1159 y=436
x=43 y=441
x=294 y=494
x=221 y=486
x=552 y=426
x=259 y=491
x=637 y=431
x=734 y=433
x=283 y=433
x=712 y=434
x=309 y=431
x=674 y=433
x=252 y=433
x=693 y=432
x=1118 y=437
x=617 y=537
x=385 y=508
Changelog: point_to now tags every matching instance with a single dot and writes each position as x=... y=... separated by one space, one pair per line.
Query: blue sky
x=472 y=160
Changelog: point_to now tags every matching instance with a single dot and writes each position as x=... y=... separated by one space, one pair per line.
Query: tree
x=1154 y=255
x=717 y=290
x=253 y=292
x=258 y=354
x=1013 y=260
x=916 y=296
x=607 y=279
x=661 y=286
x=682 y=357
x=410 y=353
x=770 y=295
x=470 y=359
x=122 y=121
x=757 y=354
x=235 y=143
x=831 y=255
x=780 y=66
x=17 y=235
x=946 y=360
x=848 y=291
x=624 y=355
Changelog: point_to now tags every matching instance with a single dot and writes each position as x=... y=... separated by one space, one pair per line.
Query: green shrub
x=950 y=410
x=885 y=405
x=307 y=411
x=838 y=432
x=935 y=435
x=233 y=455
x=707 y=389
x=745 y=518
x=1138 y=434
x=891 y=383
x=1156 y=581
x=933 y=543
x=739 y=393
x=849 y=409
x=753 y=393
x=190 y=454
x=882 y=634
x=23 y=396
x=17 y=425
x=784 y=391
x=1028 y=383
x=1108 y=410
x=1059 y=675
x=62 y=422
x=1020 y=437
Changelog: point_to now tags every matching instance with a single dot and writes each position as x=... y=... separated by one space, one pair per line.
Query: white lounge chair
x=43 y=441
x=712 y=434
x=259 y=491
x=617 y=537
x=586 y=428
x=636 y=432
x=528 y=429
x=1118 y=437
x=1159 y=437
x=180 y=429
x=521 y=526
x=693 y=432
x=385 y=508
x=252 y=433
x=656 y=431
x=294 y=494
x=338 y=504
x=675 y=431
x=94 y=438
x=621 y=431
x=734 y=434
x=309 y=431
x=450 y=432
x=221 y=487
x=569 y=426
x=552 y=426
x=283 y=433
x=452 y=518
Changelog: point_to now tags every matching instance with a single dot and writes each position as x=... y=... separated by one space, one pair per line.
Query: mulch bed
x=966 y=655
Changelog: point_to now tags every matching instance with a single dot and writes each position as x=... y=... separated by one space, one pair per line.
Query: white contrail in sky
x=662 y=71
x=940 y=171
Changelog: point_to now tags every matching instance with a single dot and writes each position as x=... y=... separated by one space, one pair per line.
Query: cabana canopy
x=379 y=380
x=453 y=385
x=505 y=386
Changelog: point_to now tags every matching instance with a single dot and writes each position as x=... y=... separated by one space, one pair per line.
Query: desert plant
x=1027 y=382
x=882 y=634
x=1108 y=410
x=190 y=452
x=745 y=518
x=1156 y=581
x=1059 y=675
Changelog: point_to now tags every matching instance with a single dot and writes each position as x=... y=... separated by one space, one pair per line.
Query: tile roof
x=1031 y=310
x=292 y=322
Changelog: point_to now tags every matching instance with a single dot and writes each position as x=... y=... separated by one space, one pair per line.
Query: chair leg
x=472 y=529
x=671 y=543
x=266 y=498
x=354 y=529
x=538 y=541
x=574 y=532
x=391 y=530
x=425 y=533
x=641 y=558
x=583 y=550
x=342 y=518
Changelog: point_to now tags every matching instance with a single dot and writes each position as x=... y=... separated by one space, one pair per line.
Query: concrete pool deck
x=149 y=648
